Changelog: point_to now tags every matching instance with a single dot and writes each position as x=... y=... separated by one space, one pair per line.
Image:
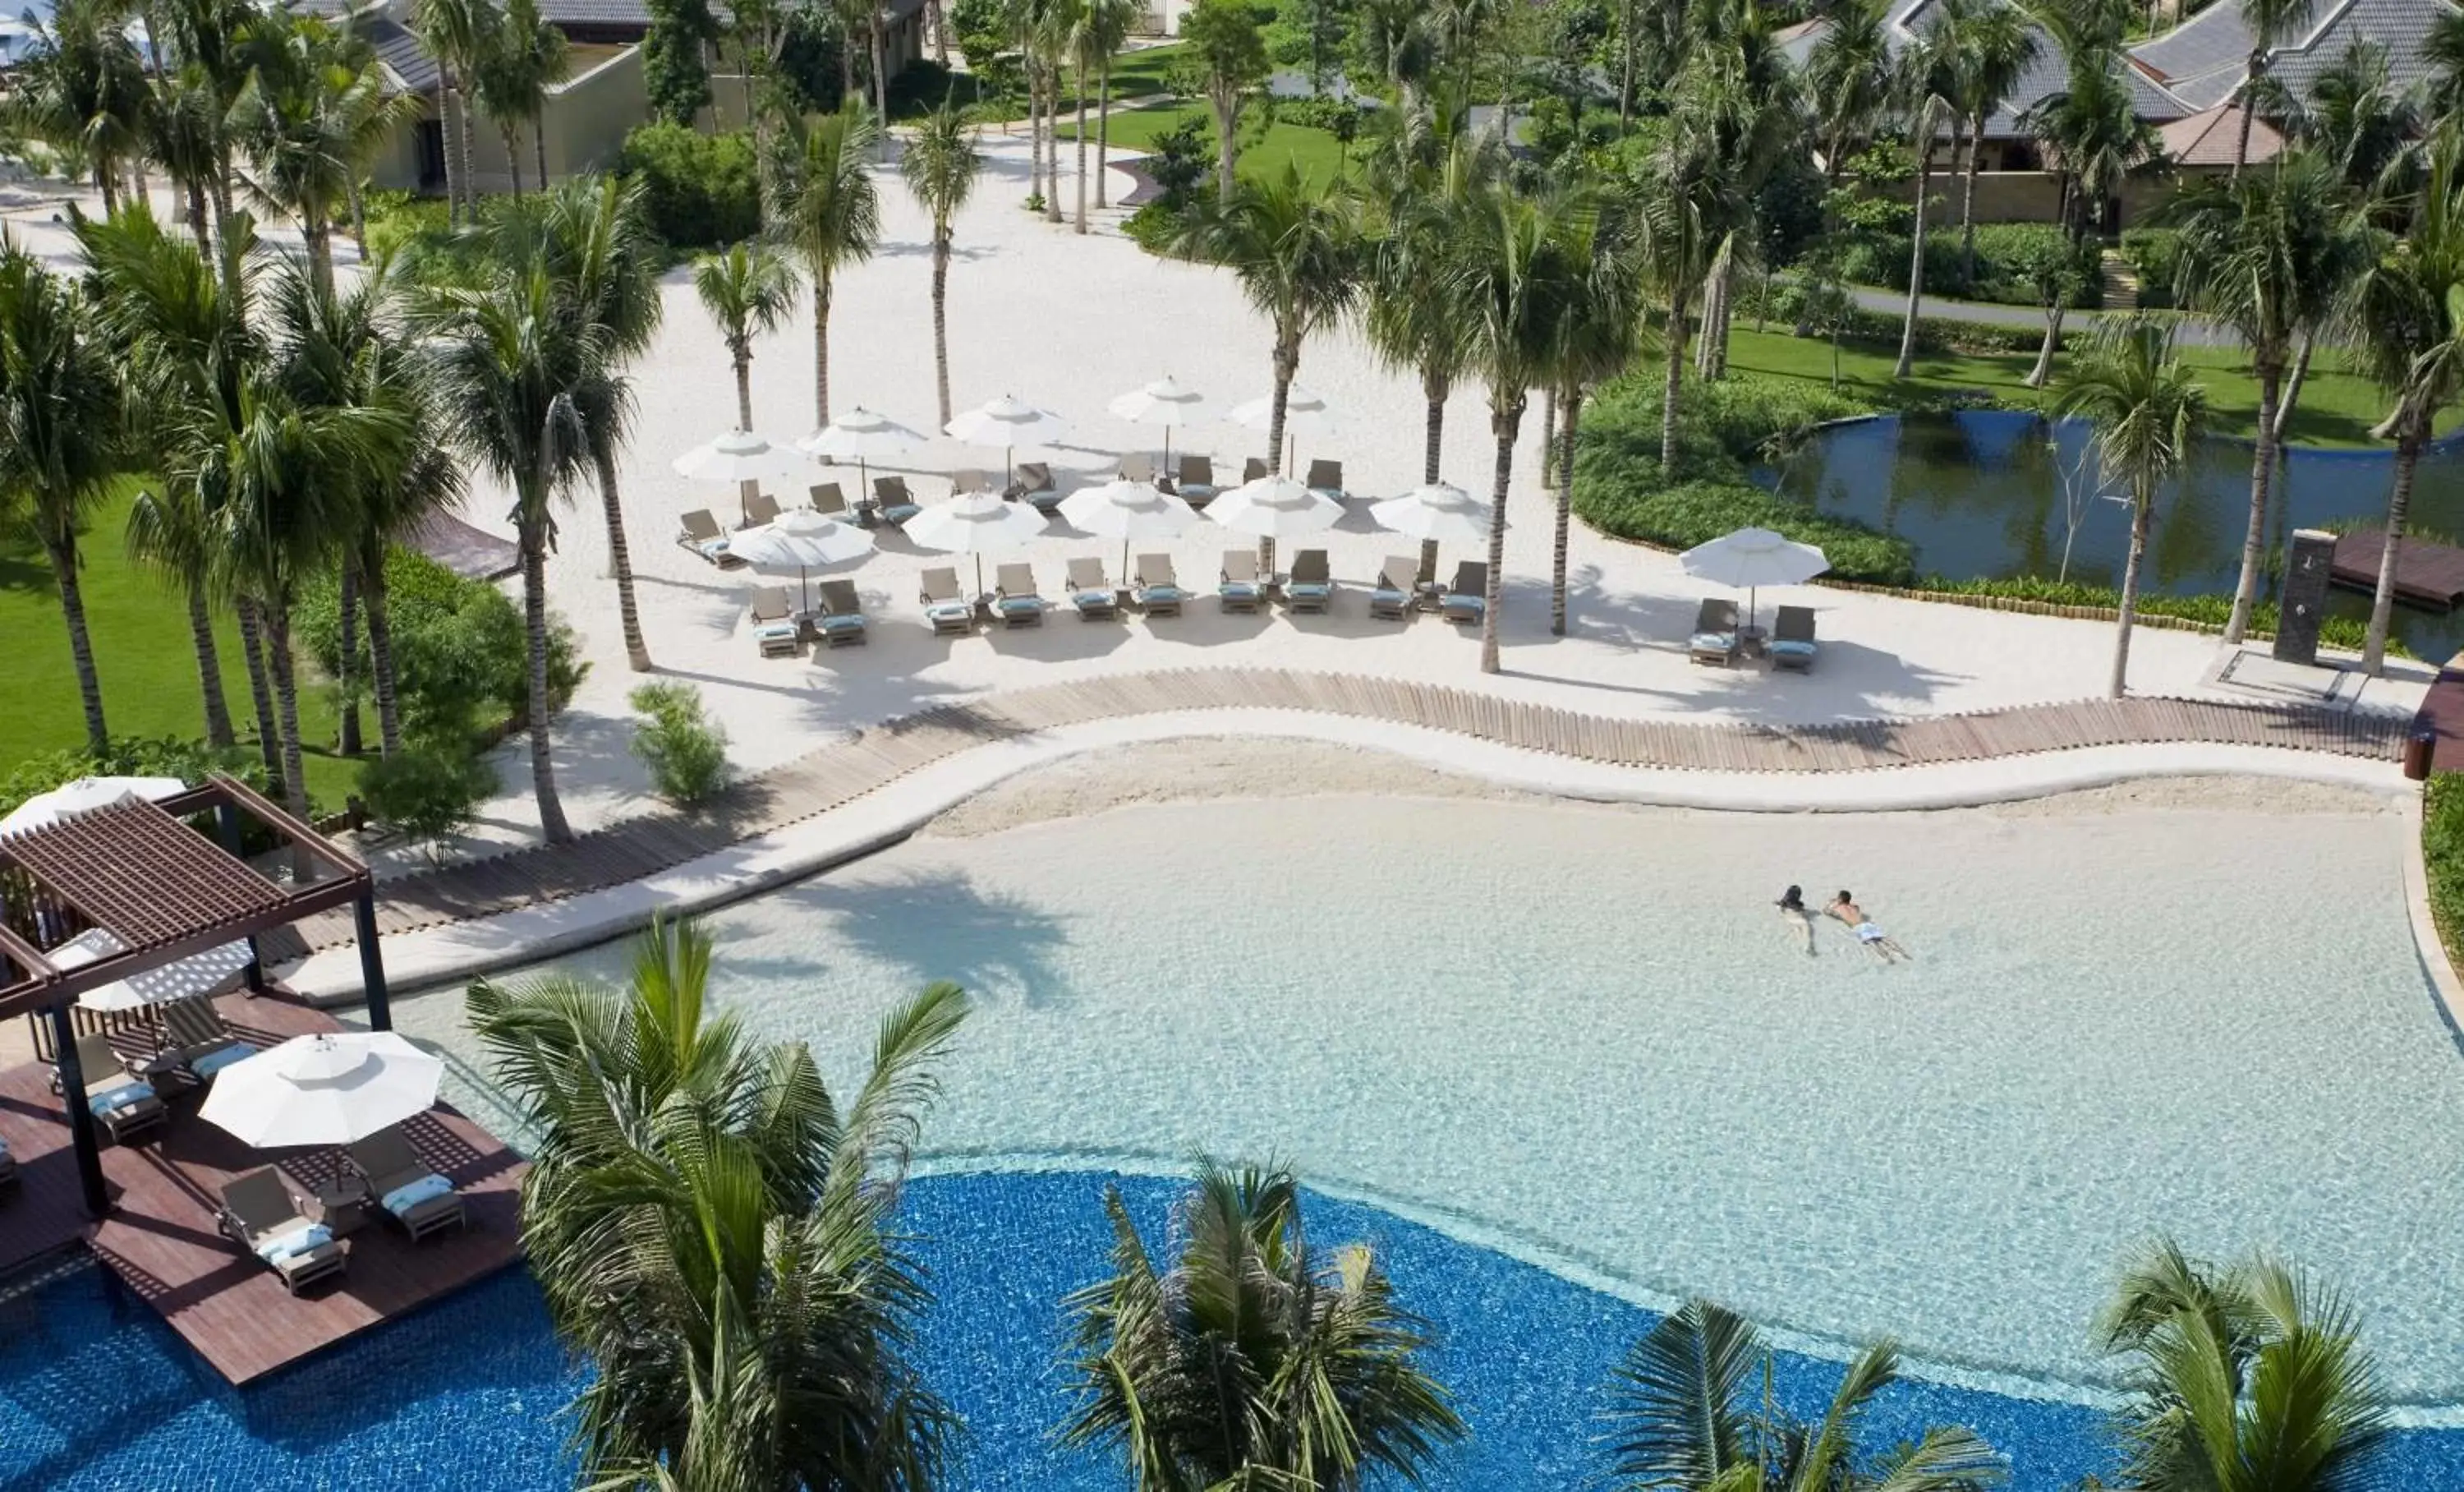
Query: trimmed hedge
x=700 y=189
x=2442 y=855
x=2202 y=611
x=1697 y=512
x=2006 y=253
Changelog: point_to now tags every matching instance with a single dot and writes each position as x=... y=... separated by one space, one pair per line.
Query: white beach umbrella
x=864 y=437
x=85 y=795
x=1127 y=510
x=1435 y=513
x=1304 y=413
x=798 y=542
x=1751 y=558
x=327 y=1089
x=1272 y=508
x=1007 y=422
x=743 y=456
x=977 y=524
x=1163 y=402
x=210 y=972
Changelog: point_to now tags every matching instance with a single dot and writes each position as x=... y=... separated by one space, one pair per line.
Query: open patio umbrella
x=864 y=437
x=1751 y=558
x=85 y=795
x=977 y=524
x=210 y=972
x=1007 y=422
x=1438 y=512
x=1272 y=508
x=1127 y=510
x=799 y=542
x=1305 y=412
x=740 y=456
x=327 y=1089
x=1163 y=402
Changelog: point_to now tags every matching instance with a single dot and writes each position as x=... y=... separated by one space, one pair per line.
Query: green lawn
x=142 y=653
x=1137 y=75
x=1319 y=155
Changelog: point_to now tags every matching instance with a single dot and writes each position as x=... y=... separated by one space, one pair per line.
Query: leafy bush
x=1722 y=428
x=2207 y=610
x=1697 y=512
x=699 y=188
x=1155 y=224
x=687 y=754
x=1337 y=117
x=1183 y=155
x=129 y=756
x=2155 y=256
x=428 y=792
x=2005 y=255
x=2442 y=855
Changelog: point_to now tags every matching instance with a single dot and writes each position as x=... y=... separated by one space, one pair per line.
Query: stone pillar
x=82 y=1135
x=2303 y=603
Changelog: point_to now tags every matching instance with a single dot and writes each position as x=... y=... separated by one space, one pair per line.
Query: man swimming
x=1792 y=911
x=1878 y=942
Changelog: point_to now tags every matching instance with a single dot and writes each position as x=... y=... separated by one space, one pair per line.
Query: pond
x=1996 y=492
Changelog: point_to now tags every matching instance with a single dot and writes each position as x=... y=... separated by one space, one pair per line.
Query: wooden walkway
x=874 y=757
x=162 y=1241
x=2426 y=572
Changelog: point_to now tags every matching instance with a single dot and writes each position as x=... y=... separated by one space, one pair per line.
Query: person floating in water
x=1792 y=911
x=1876 y=942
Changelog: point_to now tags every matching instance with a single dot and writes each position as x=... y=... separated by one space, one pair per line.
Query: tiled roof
x=2048 y=72
x=2204 y=60
x=404 y=55
x=2213 y=136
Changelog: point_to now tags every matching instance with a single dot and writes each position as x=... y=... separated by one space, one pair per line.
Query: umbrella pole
x=744 y=491
x=979 y=577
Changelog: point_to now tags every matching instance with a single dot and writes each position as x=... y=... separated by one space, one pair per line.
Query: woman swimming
x=1876 y=942
x=1792 y=911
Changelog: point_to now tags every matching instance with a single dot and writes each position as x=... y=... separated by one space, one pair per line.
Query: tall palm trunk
x=1505 y=424
x=470 y=182
x=286 y=696
x=1287 y=367
x=1916 y=252
x=1968 y=198
x=1549 y=436
x=345 y=699
x=260 y=689
x=2269 y=366
x=744 y=389
x=64 y=573
x=513 y=157
x=197 y=217
x=1103 y=129
x=620 y=561
x=210 y=667
x=1571 y=408
x=2144 y=509
x=2301 y=374
x=1081 y=146
x=939 y=25
x=1052 y=143
x=320 y=238
x=1435 y=386
x=2408 y=455
x=381 y=661
x=107 y=179
x=942 y=316
x=457 y=166
x=1677 y=301
x=359 y=216
x=2044 y=369
x=551 y=822
x=539 y=146
x=821 y=348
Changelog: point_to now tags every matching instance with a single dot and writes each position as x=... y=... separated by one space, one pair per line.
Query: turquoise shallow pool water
x=1580 y=1033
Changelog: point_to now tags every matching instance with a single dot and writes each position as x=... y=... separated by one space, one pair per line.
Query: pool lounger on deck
x=406 y=1187
x=1196 y=483
x=124 y=1104
x=259 y=1215
x=1313 y=584
x=1791 y=642
x=1466 y=600
x=1240 y=590
x=701 y=535
x=1392 y=596
x=1715 y=632
x=896 y=505
x=1090 y=590
x=948 y=611
x=1159 y=590
x=772 y=629
x=840 y=623
x=205 y=1043
x=1014 y=596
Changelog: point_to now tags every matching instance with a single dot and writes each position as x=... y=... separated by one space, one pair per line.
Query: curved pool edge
x=453 y=953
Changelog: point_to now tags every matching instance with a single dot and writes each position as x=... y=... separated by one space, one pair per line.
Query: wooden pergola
x=164 y=890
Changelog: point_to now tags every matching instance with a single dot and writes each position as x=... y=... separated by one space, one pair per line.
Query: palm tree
x=1929 y=77
x=940 y=165
x=526 y=57
x=1995 y=46
x=2091 y=126
x=1091 y=50
x=2147 y=410
x=1682 y=1419
x=287 y=120
x=1108 y=31
x=714 y=1232
x=83 y=88
x=2271 y=23
x=1051 y=28
x=211 y=37
x=749 y=289
x=1246 y=1359
x=170 y=533
x=825 y=207
x=2251 y=1377
x=460 y=34
x=1848 y=81
x=1598 y=334
x=512 y=364
x=1231 y=58
x=2269 y=254
x=60 y=439
x=2407 y=322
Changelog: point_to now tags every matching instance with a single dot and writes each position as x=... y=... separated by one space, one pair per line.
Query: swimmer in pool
x=1792 y=911
x=1878 y=942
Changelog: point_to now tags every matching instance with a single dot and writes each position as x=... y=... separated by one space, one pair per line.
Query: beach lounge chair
x=894 y=501
x=1715 y=632
x=1197 y=484
x=944 y=606
x=1159 y=591
x=828 y=500
x=259 y=1215
x=840 y=623
x=966 y=482
x=701 y=534
x=1240 y=590
x=1397 y=579
x=406 y=1187
x=1326 y=478
x=1466 y=599
x=1313 y=584
x=774 y=629
x=1792 y=640
x=1090 y=590
x=1035 y=488
x=124 y=1104
x=1137 y=466
x=1253 y=469
x=1014 y=596
x=203 y=1041
x=759 y=509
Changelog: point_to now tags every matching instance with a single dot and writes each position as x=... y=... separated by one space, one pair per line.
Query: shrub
x=2155 y=256
x=687 y=754
x=1697 y=512
x=129 y=756
x=1337 y=117
x=2005 y=255
x=428 y=792
x=1183 y=155
x=1155 y=224
x=2442 y=855
x=699 y=188
x=2207 y=610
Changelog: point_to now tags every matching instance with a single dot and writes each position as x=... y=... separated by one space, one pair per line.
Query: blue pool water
x=95 y=1394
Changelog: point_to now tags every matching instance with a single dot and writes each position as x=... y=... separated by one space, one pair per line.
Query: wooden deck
x=878 y=755
x=2426 y=573
x=161 y=1238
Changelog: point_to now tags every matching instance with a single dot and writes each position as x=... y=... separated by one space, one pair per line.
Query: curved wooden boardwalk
x=880 y=755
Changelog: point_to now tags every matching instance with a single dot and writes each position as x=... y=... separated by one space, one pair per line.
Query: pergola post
x=363 y=917
x=226 y=825
x=89 y=1154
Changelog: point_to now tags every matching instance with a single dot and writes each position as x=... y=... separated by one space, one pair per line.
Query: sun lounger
x=1466 y=600
x=842 y=620
x=773 y=630
x=1240 y=590
x=1326 y=478
x=894 y=503
x=1159 y=591
x=1715 y=632
x=1197 y=485
x=406 y=1187
x=828 y=500
x=124 y=1104
x=701 y=535
x=759 y=509
x=966 y=482
x=944 y=606
x=1090 y=590
x=259 y=1215
x=1014 y=596
x=1035 y=488
x=1253 y=469
x=200 y=1038
x=1397 y=582
x=1792 y=639
x=1137 y=466
x=1313 y=584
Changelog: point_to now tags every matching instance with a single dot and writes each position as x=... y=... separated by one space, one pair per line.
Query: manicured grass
x=142 y=651
x=1135 y=74
x=1320 y=156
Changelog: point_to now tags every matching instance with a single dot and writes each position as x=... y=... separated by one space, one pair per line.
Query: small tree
x=1229 y=57
x=1829 y=311
x=685 y=752
x=429 y=791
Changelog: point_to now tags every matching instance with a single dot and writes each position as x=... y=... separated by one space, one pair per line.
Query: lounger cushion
x=1465 y=603
x=409 y=1194
x=1713 y=642
x=1239 y=588
x=900 y=512
x=843 y=623
x=208 y=1063
x=1164 y=593
x=304 y=1238
x=1793 y=648
x=1091 y=597
x=1308 y=587
x=1021 y=604
x=771 y=632
x=127 y=1095
x=1334 y=494
x=710 y=548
